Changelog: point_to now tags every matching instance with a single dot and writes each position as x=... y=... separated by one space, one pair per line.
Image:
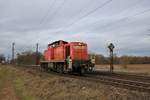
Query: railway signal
x=111 y=48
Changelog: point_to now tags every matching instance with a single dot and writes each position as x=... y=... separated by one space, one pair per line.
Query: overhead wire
x=82 y=9
x=58 y=9
x=46 y=14
x=137 y=2
x=89 y=13
x=44 y=19
x=92 y=11
x=80 y=18
x=41 y=23
x=125 y=18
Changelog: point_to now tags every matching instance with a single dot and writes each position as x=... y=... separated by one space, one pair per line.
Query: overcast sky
x=126 y=23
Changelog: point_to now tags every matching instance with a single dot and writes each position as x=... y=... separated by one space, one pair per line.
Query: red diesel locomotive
x=62 y=56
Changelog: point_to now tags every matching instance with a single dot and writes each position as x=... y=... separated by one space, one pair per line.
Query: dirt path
x=8 y=92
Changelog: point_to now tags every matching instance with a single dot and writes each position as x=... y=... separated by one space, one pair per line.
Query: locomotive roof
x=57 y=42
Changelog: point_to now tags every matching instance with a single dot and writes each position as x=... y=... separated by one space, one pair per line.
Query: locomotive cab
x=79 y=56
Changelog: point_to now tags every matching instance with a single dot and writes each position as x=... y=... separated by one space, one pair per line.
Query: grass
x=21 y=91
x=9 y=78
x=52 y=87
x=4 y=76
x=131 y=68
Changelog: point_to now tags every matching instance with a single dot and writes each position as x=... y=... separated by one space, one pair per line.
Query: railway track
x=121 y=81
x=124 y=83
x=120 y=75
x=117 y=82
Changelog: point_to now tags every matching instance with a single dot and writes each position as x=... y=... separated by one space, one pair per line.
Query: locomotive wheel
x=91 y=69
x=82 y=71
x=42 y=67
x=60 y=69
x=46 y=67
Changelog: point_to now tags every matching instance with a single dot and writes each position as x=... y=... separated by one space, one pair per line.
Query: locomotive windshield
x=79 y=47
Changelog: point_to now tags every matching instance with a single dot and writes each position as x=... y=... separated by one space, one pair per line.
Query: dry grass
x=12 y=85
x=52 y=87
x=131 y=68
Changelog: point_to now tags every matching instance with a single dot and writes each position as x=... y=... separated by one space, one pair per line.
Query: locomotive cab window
x=79 y=47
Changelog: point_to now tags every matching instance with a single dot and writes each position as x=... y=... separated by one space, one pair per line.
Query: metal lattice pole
x=37 y=54
x=13 y=52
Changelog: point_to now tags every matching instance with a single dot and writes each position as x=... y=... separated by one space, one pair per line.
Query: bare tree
x=27 y=58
